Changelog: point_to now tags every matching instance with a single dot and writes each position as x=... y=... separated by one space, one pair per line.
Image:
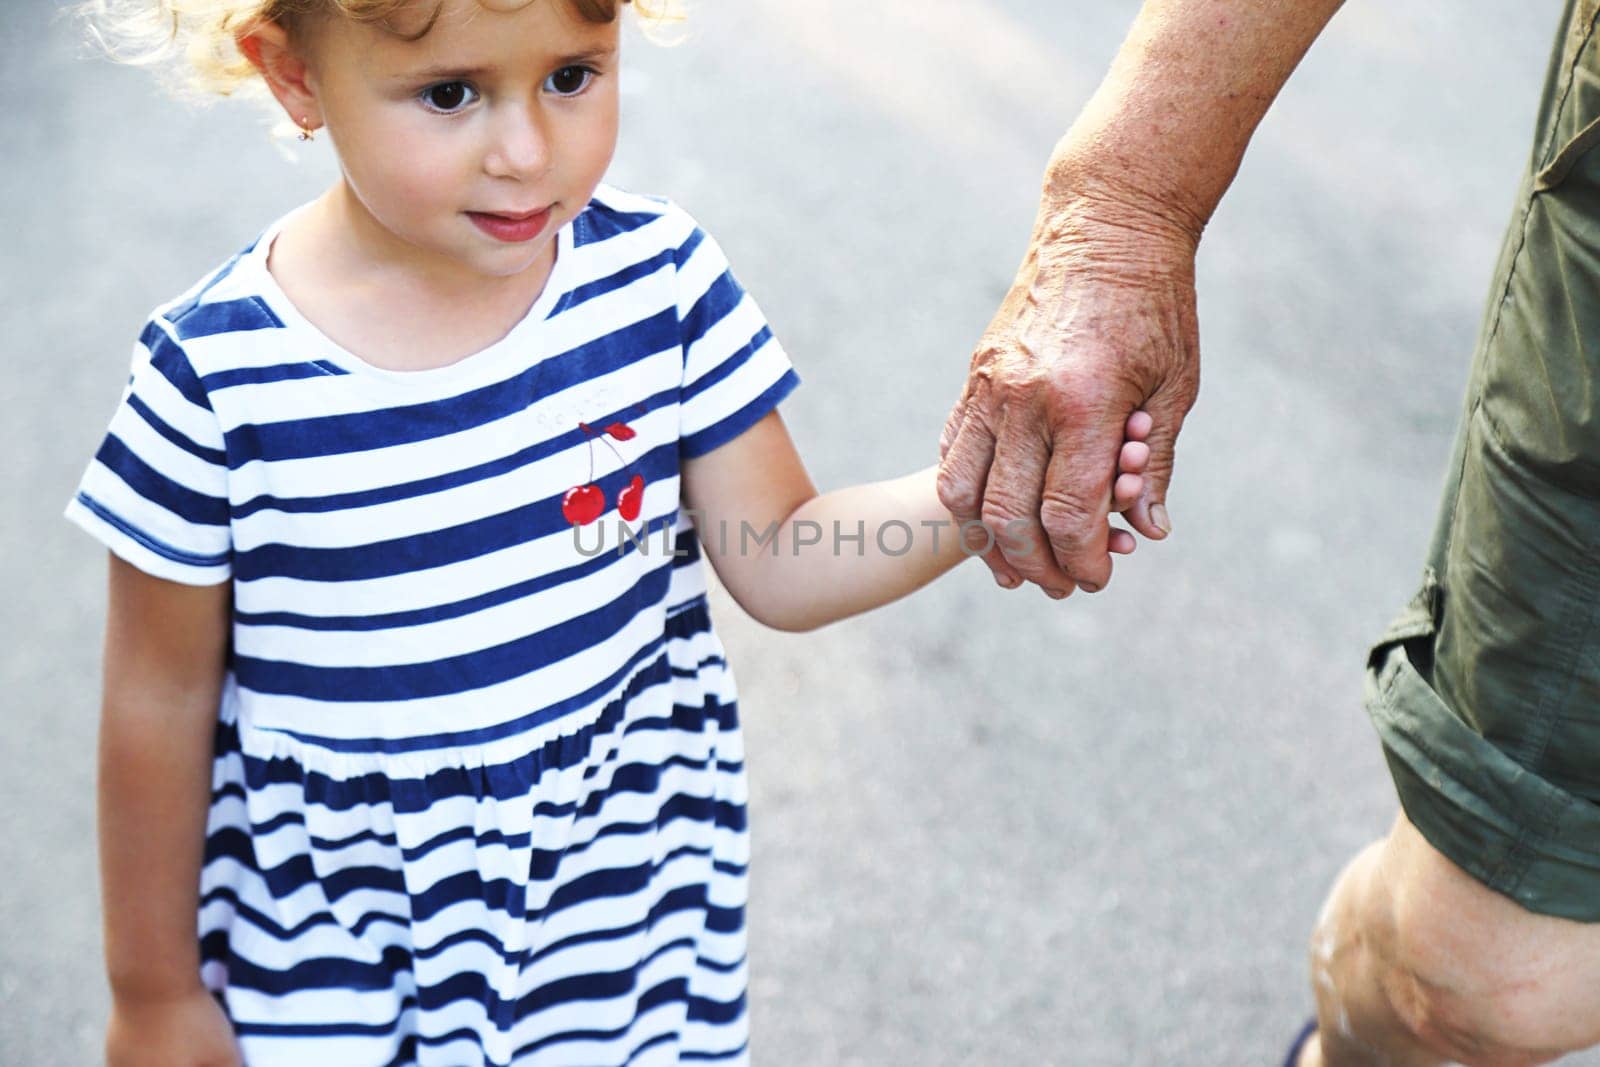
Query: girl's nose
x=518 y=147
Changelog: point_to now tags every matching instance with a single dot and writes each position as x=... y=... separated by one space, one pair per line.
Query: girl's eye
x=569 y=81
x=448 y=97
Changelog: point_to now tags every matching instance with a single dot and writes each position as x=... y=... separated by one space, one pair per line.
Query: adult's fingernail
x=1088 y=587
x=1056 y=594
x=1158 y=515
x=1005 y=581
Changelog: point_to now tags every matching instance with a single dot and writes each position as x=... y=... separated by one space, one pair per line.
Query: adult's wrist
x=1096 y=186
x=1091 y=228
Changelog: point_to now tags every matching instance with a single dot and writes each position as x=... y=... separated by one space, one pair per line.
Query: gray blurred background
x=989 y=828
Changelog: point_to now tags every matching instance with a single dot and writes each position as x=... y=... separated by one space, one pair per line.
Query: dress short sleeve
x=156 y=491
x=734 y=370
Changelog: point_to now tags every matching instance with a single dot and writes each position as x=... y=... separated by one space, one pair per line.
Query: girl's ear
x=266 y=45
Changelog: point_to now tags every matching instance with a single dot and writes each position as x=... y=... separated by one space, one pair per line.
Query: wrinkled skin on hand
x=1099 y=323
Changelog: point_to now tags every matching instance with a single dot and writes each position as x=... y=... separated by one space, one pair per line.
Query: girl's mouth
x=511 y=229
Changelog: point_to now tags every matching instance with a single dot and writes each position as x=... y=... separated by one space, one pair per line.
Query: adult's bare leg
x=1416 y=964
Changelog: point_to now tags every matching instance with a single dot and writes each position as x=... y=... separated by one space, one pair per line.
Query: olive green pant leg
x=1486 y=689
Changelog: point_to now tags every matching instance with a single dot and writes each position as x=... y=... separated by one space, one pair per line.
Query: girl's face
x=492 y=113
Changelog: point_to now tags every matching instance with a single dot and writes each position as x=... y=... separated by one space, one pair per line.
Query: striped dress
x=478 y=794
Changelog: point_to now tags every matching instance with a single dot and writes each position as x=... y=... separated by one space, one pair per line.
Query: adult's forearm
x=1100 y=321
x=155 y=782
x=1167 y=128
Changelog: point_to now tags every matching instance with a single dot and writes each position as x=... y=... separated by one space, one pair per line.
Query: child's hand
x=184 y=1030
x=1129 y=482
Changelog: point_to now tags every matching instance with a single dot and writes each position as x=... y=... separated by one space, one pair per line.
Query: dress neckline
x=472 y=365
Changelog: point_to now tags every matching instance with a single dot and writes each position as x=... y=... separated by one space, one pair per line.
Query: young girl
x=446 y=784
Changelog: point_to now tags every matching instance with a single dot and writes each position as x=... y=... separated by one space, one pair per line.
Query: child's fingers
x=1125 y=491
x=1131 y=462
x=1129 y=486
x=1135 y=454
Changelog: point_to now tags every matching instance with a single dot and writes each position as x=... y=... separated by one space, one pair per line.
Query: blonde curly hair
x=150 y=32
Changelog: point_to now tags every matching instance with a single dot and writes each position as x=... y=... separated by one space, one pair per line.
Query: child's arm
x=797 y=560
x=165 y=655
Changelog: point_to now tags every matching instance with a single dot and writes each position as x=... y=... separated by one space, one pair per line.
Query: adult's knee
x=1473 y=976
x=1463 y=1014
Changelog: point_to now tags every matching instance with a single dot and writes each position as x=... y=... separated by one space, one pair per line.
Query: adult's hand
x=1101 y=320
x=1099 y=323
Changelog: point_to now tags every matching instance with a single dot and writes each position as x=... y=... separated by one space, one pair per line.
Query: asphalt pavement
x=989 y=828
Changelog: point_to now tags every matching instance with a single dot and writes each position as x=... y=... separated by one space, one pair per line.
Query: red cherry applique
x=631 y=499
x=583 y=504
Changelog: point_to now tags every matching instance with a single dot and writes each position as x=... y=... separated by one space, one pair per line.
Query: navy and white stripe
x=478 y=797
